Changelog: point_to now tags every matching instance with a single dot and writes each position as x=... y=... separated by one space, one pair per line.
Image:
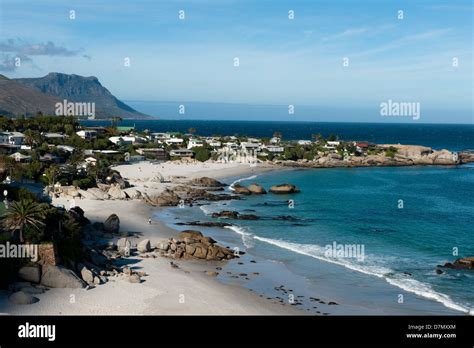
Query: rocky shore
x=406 y=155
x=110 y=250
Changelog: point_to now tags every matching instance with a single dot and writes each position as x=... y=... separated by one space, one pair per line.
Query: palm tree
x=51 y=173
x=22 y=215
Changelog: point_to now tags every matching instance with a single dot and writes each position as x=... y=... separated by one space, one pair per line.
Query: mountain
x=18 y=99
x=75 y=88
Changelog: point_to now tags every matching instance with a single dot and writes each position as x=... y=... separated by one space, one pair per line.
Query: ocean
x=438 y=136
x=405 y=221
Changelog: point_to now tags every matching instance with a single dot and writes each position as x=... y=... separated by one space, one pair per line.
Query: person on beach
x=149 y=221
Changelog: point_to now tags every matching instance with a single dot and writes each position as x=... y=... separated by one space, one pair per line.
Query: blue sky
x=282 y=61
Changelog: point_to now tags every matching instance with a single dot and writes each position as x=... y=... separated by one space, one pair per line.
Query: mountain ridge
x=42 y=93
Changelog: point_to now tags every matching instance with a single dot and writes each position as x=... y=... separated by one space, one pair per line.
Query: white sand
x=167 y=290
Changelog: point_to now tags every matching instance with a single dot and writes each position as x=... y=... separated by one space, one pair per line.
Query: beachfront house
x=362 y=146
x=304 y=142
x=155 y=153
x=331 y=145
x=87 y=134
x=250 y=147
x=136 y=158
x=195 y=143
x=230 y=146
x=213 y=142
x=276 y=149
x=182 y=153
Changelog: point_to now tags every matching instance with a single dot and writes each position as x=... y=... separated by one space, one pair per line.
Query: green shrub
x=201 y=153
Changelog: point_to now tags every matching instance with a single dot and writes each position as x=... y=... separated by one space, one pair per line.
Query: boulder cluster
x=256 y=189
x=192 y=244
x=462 y=263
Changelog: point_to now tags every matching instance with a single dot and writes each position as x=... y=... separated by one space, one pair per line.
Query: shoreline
x=346 y=303
x=210 y=295
x=165 y=290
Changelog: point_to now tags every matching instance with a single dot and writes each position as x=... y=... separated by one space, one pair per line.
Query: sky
x=283 y=61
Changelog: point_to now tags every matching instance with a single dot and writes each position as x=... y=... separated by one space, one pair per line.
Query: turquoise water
x=407 y=219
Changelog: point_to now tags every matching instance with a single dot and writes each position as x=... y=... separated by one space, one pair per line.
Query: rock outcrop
x=144 y=246
x=124 y=246
x=112 y=224
x=462 y=263
x=207 y=182
x=60 y=277
x=256 y=189
x=284 y=189
x=132 y=193
x=115 y=192
x=98 y=193
x=167 y=199
x=241 y=190
x=192 y=244
x=30 y=273
x=204 y=223
x=228 y=214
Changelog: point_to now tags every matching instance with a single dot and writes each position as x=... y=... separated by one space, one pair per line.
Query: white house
x=275 y=148
x=181 y=153
x=250 y=146
x=90 y=160
x=87 y=134
x=194 y=143
x=214 y=143
x=174 y=141
x=18 y=157
x=304 y=142
x=12 y=138
x=331 y=145
x=253 y=140
x=275 y=140
x=66 y=148
x=54 y=135
x=231 y=146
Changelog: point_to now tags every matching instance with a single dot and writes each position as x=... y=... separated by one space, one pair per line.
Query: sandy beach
x=165 y=290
